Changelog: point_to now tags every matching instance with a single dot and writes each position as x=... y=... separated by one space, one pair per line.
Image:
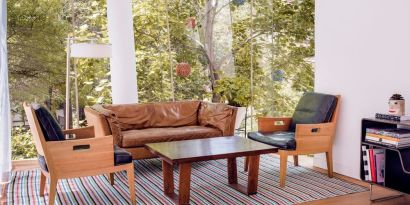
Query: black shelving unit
x=397 y=161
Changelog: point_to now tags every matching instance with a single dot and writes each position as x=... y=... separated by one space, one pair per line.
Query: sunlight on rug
x=209 y=185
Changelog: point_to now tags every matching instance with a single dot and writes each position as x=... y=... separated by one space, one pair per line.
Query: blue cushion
x=313 y=108
x=42 y=163
x=282 y=140
x=51 y=129
x=121 y=156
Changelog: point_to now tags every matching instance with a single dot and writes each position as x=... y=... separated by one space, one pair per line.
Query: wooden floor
x=351 y=199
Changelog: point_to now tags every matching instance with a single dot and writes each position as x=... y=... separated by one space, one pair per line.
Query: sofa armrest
x=230 y=128
x=104 y=122
x=273 y=124
x=218 y=115
x=98 y=120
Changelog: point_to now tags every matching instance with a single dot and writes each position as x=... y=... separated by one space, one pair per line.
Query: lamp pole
x=67 y=86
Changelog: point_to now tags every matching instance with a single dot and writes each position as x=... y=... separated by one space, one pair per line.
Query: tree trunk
x=210 y=12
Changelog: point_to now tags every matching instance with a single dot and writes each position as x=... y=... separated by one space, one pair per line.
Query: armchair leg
x=131 y=184
x=111 y=178
x=53 y=190
x=246 y=164
x=329 y=159
x=43 y=180
x=283 y=166
x=295 y=160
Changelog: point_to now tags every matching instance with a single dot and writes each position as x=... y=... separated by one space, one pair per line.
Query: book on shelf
x=383 y=116
x=373 y=174
x=366 y=166
x=380 y=164
x=373 y=164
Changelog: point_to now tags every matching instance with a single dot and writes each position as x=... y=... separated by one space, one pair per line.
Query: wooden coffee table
x=183 y=153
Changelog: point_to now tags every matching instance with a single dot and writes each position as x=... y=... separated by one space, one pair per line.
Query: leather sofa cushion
x=137 y=138
x=215 y=115
x=49 y=126
x=282 y=140
x=175 y=114
x=131 y=116
x=313 y=108
x=146 y=115
x=121 y=156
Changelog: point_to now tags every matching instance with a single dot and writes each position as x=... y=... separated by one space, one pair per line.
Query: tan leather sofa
x=134 y=125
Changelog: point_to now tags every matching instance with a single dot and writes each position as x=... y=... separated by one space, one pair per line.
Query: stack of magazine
x=391 y=137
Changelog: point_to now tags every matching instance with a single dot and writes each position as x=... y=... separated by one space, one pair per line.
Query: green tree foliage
x=22 y=144
x=36 y=37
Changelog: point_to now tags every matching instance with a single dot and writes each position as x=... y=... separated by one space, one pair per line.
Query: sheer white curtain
x=5 y=120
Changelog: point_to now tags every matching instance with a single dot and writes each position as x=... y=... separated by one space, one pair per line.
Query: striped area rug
x=208 y=186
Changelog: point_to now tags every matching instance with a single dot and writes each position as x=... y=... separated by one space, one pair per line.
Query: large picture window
x=248 y=53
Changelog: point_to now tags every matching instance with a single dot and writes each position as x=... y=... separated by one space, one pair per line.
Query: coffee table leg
x=253 y=174
x=232 y=172
x=184 y=183
x=168 y=175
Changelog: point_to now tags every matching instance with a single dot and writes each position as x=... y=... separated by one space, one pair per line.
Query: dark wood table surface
x=183 y=153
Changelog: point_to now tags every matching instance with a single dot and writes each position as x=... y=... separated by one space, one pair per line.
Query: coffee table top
x=208 y=149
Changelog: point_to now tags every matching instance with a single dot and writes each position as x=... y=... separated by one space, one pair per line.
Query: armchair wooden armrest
x=81 y=133
x=319 y=129
x=314 y=138
x=273 y=124
x=74 y=156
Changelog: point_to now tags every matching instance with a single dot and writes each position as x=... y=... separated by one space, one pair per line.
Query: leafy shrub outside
x=22 y=144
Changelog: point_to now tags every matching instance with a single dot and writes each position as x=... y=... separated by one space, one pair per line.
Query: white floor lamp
x=88 y=48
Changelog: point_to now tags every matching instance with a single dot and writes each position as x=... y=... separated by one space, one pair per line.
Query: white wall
x=362 y=53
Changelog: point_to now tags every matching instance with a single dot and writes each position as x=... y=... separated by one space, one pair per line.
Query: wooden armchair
x=295 y=138
x=82 y=156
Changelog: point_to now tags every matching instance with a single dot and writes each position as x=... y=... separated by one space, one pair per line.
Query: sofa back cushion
x=148 y=115
x=175 y=114
x=314 y=108
x=49 y=126
x=132 y=116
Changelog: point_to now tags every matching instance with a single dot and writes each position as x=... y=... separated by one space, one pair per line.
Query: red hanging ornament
x=183 y=70
x=191 y=22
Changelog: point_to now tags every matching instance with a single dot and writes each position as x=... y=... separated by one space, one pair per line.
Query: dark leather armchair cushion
x=313 y=108
x=282 y=140
x=51 y=129
x=121 y=156
x=42 y=162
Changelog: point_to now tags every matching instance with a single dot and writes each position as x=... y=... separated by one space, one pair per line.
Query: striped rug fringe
x=209 y=185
